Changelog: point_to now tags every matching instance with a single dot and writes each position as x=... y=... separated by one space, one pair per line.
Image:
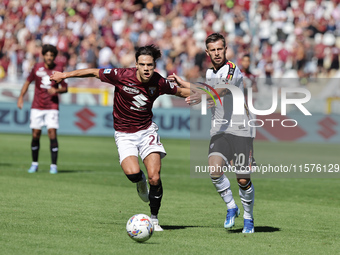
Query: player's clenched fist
x=57 y=77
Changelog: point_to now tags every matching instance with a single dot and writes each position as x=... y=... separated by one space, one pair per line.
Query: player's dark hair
x=49 y=48
x=150 y=50
x=214 y=38
x=246 y=56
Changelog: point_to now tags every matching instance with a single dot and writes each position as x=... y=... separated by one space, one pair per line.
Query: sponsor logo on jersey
x=130 y=90
x=41 y=72
x=138 y=109
x=140 y=102
x=152 y=90
x=107 y=71
x=45 y=82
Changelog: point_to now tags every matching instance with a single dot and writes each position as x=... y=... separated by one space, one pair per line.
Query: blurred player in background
x=136 y=89
x=45 y=105
x=229 y=143
x=249 y=79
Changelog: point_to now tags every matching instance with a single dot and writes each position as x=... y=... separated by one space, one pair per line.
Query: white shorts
x=48 y=118
x=143 y=142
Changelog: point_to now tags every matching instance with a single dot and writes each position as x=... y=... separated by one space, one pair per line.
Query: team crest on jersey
x=107 y=71
x=152 y=91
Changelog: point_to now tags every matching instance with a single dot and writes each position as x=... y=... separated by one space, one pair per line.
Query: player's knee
x=52 y=134
x=36 y=134
x=136 y=177
x=215 y=175
x=244 y=183
x=221 y=183
x=154 y=179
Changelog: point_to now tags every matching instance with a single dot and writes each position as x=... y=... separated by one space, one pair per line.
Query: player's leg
x=219 y=152
x=244 y=161
x=36 y=123
x=35 y=145
x=247 y=195
x=52 y=124
x=131 y=168
x=128 y=158
x=152 y=163
x=152 y=151
x=54 y=148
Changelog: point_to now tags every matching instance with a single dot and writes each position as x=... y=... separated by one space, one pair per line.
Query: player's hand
x=20 y=102
x=175 y=78
x=52 y=91
x=194 y=98
x=57 y=77
x=211 y=104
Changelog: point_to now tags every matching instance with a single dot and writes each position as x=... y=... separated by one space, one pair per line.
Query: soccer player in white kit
x=45 y=105
x=136 y=89
x=231 y=136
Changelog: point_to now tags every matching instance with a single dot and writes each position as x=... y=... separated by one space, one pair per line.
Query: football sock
x=228 y=198
x=54 y=150
x=35 y=144
x=136 y=177
x=247 y=195
x=222 y=185
x=155 y=197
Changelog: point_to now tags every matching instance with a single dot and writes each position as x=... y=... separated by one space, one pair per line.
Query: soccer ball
x=139 y=227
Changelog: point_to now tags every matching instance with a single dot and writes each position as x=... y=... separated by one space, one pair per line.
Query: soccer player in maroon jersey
x=136 y=89
x=45 y=105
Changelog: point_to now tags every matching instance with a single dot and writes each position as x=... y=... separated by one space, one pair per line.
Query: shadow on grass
x=5 y=164
x=258 y=229
x=74 y=171
x=172 y=227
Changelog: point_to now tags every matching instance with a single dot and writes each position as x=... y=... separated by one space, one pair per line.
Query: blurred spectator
x=335 y=52
x=249 y=79
x=32 y=21
x=103 y=33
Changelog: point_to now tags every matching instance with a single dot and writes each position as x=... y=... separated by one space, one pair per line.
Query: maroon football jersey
x=41 y=75
x=133 y=100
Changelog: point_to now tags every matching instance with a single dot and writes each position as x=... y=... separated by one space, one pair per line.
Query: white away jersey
x=223 y=120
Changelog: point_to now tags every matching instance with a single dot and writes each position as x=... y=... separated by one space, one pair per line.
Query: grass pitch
x=84 y=209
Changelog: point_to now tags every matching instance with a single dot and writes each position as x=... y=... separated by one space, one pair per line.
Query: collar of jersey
x=215 y=71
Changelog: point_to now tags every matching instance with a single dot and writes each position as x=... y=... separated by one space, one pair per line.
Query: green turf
x=84 y=209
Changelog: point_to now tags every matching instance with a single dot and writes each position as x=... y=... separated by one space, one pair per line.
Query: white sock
x=228 y=198
x=247 y=198
x=34 y=163
x=222 y=185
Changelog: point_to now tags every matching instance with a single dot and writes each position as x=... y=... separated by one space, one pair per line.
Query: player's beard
x=219 y=62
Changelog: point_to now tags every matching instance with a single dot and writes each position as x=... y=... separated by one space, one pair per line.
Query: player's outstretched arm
x=182 y=92
x=81 y=73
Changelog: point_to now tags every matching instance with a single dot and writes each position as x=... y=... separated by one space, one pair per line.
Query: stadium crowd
x=281 y=36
